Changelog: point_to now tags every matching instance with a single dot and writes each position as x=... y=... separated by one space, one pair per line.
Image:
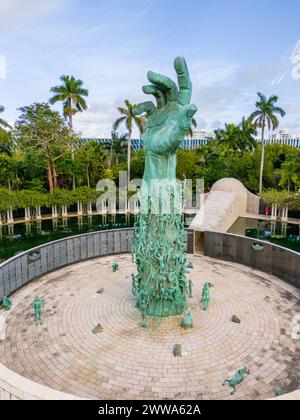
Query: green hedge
x=85 y=195
x=59 y=197
x=295 y=202
x=8 y=199
x=27 y=198
x=282 y=199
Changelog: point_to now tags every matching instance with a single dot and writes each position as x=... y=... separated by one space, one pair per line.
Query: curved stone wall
x=25 y=267
x=39 y=261
x=15 y=387
x=269 y=258
x=30 y=265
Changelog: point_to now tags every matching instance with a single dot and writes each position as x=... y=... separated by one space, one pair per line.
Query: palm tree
x=290 y=170
x=129 y=119
x=6 y=148
x=5 y=136
x=190 y=132
x=118 y=146
x=265 y=116
x=3 y=123
x=218 y=135
x=71 y=94
x=229 y=137
x=247 y=132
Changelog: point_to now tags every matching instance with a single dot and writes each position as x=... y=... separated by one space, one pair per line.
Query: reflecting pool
x=284 y=234
x=22 y=236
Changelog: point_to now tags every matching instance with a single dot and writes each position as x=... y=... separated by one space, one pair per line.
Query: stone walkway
x=126 y=362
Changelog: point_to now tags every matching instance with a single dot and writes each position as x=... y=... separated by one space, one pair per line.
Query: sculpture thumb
x=187 y=115
x=191 y=111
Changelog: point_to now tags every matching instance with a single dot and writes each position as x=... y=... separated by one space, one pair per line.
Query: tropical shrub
x=29 y=198
x=8 y=199
x=61 y=197
x=85 y=195
x=282 y=199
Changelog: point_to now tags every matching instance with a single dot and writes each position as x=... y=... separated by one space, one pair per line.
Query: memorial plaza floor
x=121 y=360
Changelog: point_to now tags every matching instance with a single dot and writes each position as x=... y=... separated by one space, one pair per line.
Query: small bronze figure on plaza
x=187 y=321
x=37 y=307
x=6 y=303
x=205 y=297
x=115 y=267
x=237 y=379
x=133 y=285
x=190 y=286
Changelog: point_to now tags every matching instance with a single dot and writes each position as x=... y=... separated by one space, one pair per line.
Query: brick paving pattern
x=124 y=361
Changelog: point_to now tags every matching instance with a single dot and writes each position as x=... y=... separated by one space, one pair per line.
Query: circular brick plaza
x=91 y=343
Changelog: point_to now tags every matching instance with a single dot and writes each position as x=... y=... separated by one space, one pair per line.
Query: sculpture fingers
x=184 y=123
x=157 y=93
x=187 y=115
x=184 y=81
x=165 y=84
x=145 y=107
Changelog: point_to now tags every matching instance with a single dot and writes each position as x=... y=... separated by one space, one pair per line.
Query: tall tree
x=290 y=170
x=42 y=130
x=3 y=123
x=92 y=156
x=71 y=93
x=118 y=147
x=247 y=140
x=239 y=138
x=265 y=116
x=6 y=144
x=6 y=150
x=129 y=119
x=229 y=137
x=6 y=163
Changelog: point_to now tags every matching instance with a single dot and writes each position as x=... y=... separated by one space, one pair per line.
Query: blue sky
x=234 y=48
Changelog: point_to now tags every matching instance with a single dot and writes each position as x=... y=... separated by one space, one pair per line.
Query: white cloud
x=2 y=67
x=212 y=96
x=116 y=84
x=264 y=72
x=97 y=120
x=216 y=124
x=210 y=73
x=16 y=13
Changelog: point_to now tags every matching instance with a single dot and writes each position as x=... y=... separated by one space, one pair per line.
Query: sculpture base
x=159 y=252
x=166 y=309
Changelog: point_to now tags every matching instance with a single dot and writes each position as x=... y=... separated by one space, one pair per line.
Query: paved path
x=124 y=361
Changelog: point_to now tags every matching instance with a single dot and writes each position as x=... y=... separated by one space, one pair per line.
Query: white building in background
x=282 y=136
x=202 y=134
x=202 y=137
